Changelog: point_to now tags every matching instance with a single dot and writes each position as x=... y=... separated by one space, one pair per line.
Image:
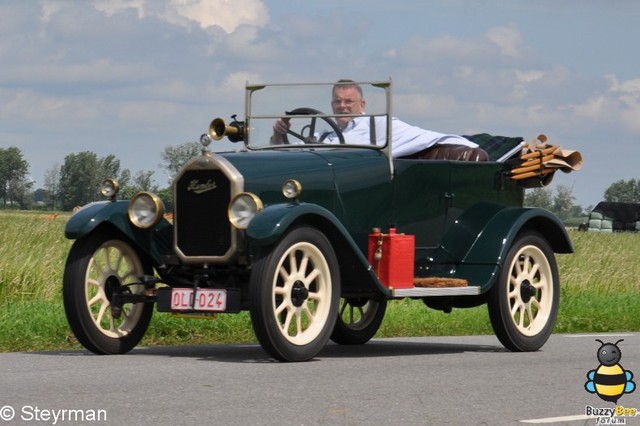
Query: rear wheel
x=358 y=320
x=99 y=266
x=294 y=291
x=523 y=304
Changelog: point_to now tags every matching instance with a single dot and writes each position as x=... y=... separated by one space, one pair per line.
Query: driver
x=347 y=98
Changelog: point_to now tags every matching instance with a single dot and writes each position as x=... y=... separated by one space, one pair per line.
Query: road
x=412 y=381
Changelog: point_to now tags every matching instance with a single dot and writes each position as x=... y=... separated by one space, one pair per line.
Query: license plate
x=206 y=299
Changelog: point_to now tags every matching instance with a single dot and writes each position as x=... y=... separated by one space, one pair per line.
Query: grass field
x=600 y=291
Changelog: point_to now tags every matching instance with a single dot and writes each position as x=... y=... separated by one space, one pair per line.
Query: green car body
x=465 y=218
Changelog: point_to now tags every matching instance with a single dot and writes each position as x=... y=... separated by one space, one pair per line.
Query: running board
x=440 y=291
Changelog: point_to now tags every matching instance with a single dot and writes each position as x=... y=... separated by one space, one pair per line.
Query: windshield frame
x=251 y=89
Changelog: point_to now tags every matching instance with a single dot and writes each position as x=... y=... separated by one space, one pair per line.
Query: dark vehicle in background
x=313 y=239
x=609 y=216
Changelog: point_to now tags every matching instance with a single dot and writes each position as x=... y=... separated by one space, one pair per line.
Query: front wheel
x=523 y=304
x=294 y=291
x=99 y=266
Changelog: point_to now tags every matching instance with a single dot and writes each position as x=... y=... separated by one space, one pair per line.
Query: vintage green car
x=314 y=238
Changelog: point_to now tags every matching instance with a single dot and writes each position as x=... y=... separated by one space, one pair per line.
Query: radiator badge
x=200 y=188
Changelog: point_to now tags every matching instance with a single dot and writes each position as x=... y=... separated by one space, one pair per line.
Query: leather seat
x=450 y=152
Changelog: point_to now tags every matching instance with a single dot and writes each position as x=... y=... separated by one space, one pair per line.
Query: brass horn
x=219 y=129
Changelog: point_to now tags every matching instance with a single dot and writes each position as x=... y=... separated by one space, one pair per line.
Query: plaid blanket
x=499 y=148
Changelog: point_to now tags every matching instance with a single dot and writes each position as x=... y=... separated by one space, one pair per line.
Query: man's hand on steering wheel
x=282 y=127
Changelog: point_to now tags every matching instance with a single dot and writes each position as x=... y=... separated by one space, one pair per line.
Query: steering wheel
x=311 y=127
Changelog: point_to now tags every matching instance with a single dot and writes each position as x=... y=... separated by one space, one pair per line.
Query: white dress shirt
x=407 y=139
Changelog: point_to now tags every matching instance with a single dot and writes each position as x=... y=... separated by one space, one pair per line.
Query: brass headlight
x=291 y=188
x=243 y=208
x=110 y=188
x=145 y=209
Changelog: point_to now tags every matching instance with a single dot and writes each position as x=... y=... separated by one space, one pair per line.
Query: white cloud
x=631 y=118
x=464 y=71
x=99 y=71
x=595 y=107
x=507 y=38
x=22 y=107
x=229 y=92
x=146 y=113
x=228 y=15
x=234 y=83
x=631 y=86
x=51 y=8
x=529 y=76
x=440 y=48
x=111 y=7
x=619 y=106
x=523 y=79
x=246 y=42
x=225 y=14
x=430 y=105
x=628 y=97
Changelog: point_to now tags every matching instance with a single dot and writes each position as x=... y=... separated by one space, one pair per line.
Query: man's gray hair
x=347 y=84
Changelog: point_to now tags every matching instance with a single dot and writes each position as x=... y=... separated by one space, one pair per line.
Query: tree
x=13 y=175
x=82 y=174
x=109 y=168
x=20 y=192
x=624 y=191
x=539 y=197
x=142 y=181
x=51 y=182
x=560 y=203
x=78 y=179
x=123 y=180
x=166 y=195
x=174 y=157
x=563 y=202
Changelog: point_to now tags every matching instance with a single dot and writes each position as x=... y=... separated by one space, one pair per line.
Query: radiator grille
x=202 y=225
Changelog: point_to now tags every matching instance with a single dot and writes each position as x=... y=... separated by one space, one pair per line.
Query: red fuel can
x=392 y=257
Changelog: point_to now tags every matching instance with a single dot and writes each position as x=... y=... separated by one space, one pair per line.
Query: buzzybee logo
x=609 y=381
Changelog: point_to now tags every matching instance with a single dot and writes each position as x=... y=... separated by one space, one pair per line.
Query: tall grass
x=32 y=255
x=604 y=263
x=601 y=283
x=600 y=291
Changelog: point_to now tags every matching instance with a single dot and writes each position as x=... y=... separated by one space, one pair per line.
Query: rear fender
x=497 y=237
x=479 y=240
x=153 y=242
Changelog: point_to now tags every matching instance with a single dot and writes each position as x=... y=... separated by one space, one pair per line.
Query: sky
x=131 y=77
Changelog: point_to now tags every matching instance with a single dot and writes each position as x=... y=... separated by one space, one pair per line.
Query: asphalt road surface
x=404 y=381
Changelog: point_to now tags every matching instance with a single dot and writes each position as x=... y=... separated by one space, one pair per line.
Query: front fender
x=270 y=224
x=154 y=242
x=90 y=216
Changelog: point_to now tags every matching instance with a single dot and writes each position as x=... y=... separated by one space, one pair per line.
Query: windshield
x=318 y=115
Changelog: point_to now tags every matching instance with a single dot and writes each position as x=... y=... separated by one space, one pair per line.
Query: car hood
x=343 y=180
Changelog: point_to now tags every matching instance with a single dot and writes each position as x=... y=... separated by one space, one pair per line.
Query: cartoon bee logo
x=609 y=381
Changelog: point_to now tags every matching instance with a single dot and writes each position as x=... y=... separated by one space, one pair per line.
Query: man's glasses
x=346 y=102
